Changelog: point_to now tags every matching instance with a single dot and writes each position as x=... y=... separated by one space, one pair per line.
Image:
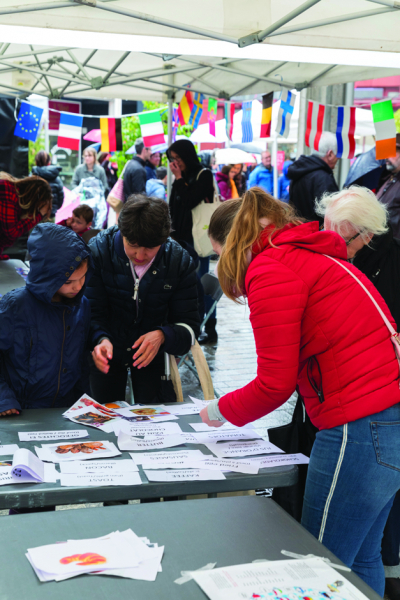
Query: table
x=227 y=531
x=9 y=278
x=48 y=494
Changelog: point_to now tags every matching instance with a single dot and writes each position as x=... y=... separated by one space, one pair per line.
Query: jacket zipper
x=319 y=392
x=62 y=353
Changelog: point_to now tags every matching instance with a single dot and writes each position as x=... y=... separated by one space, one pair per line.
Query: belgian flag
x=266 y=115
x=111 y=137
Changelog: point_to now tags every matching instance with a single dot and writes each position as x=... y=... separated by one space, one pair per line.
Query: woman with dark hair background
x=50 y=173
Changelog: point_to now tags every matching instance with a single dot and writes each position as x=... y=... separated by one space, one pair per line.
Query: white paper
x=277 y=461
x=167 y=457
x=230 y=435
x=184 y=475
x=234 y=449
x=98 y=479
x=183 y=409
x=201 y=403
x=295 y=579
x=50 y=475
x=8 y=449
x=200 y=427
x=27 y=467
x=92 y=417
x=147 y=570
x=67 y=434
x=99 y=467
x=222 y=464
x=86 y=401
x=156 y=413
x=58 y=453
x=142 y=429
x=126 y=442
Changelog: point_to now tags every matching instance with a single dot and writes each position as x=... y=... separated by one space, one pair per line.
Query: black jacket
x=167 y=295
x=380 y=261
x=135 y=177
x=51 y=173
x=310 y=178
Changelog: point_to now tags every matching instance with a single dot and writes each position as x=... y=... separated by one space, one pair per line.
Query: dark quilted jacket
x=167 y=295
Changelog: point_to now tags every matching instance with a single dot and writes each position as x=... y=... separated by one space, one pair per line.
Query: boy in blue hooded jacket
x=45 y=326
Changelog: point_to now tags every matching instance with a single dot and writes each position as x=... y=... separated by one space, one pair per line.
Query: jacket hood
x=49 y=173
x=286 y=166
x=153 y=185
x=56 y=252
x=306 y=236
x=306 y=164
x=221 y=176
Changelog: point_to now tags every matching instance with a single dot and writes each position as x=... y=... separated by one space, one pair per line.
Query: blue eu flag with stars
x=28 y=123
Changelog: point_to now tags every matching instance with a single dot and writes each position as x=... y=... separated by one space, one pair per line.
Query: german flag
x=111 y=137
x=266 y=115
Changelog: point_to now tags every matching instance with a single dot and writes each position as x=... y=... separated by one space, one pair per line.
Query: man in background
x=389 y=192
x=263 y=175
x=135 y=173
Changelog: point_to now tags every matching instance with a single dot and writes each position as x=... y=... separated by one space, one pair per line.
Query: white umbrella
x=233 y=156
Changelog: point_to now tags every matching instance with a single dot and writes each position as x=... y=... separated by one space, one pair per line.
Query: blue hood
x=286 y=165
x=56 y=252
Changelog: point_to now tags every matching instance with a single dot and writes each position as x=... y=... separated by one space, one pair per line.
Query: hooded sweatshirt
x=310 y=179
x=43 y=344
x=284 y=182
x=316 y=330
x=51 y=173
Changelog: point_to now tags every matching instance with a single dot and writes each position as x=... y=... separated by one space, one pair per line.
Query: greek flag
x=286 y=108
x=247 y=129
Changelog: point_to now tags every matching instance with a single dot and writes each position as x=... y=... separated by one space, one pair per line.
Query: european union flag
x=28 y=123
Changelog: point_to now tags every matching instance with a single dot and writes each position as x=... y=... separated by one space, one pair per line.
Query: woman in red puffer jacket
x=316 y=329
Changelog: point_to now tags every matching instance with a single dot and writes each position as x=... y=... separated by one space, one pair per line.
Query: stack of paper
x=155 y=413
x=27 y=468
x=87 y=411
x=99 y=473
x=76 y=451
x=122 y=554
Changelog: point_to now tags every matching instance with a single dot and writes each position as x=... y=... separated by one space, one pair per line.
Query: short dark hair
x=145 y=221
x=84 y=211
x=161 y=172
x=42 y=159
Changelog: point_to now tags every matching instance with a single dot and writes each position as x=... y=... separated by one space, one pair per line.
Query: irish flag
x=385 y=129
x=151 y=128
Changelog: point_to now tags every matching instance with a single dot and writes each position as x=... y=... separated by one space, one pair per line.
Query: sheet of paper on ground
x=184 y=475
x=297 y=579
x=76 y=451
x=67 y=434
x=234 y=449
x=167 y=457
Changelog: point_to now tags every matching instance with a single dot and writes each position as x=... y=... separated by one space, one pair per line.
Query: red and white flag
x=315 y=124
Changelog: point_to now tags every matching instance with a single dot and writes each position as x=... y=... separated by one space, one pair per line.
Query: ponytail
x=257 y=210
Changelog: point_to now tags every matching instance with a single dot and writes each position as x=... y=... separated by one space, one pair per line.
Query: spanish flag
x=266 y=115
x=185 y=108
x=111 y=137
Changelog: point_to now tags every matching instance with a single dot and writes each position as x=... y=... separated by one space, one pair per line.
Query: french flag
x=345 y=128
x=70 y=131
x=315 y=124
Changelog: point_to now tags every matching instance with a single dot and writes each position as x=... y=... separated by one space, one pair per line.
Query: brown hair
x=42 y=159
x=222 y=219
x=226 y=169
x=84 y=211
x=91 y=151
x=145 y=221
x=33 y=193
x=245 y=231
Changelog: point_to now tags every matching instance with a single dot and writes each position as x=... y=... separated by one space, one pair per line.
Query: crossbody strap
x=388 y=324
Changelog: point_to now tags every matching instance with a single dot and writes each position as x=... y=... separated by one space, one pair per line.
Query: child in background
x=157 y=188
x=81 y=220
x=45 y=326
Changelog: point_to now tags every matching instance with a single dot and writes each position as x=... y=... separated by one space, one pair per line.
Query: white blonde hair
x=327 y=142
x=355 y=206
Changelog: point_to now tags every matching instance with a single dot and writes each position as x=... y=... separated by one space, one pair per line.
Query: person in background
x=241 y=180
x=50 y=173
x=158 y=187
x=135 y=175
x=389 y=192
x=90 y=168
x=226 y=181
x=193 y=184
x=81 y=220
x=362 y=221
x=23 y=204
x=316 y=329
x=151 y=165
x=110 y=168
x=312 y=176
x=263 y=175
x=284 y=182
x=45 y=326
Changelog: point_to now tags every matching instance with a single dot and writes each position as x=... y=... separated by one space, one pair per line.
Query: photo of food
x=89 y=558
x=92 y=418
x=85 y=447
x=150 y=412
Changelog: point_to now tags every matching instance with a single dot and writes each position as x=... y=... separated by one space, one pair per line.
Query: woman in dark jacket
x=362 y=221
x=50 y=173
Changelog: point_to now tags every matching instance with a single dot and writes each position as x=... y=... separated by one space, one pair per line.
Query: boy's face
x=139 y=255
x=73 y=285
x=79 y=224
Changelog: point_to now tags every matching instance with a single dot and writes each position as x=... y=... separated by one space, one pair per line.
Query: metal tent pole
x=345 y=162
x=171 y=95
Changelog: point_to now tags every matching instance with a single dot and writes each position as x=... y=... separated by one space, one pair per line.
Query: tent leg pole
x=171 y=95
x=275 y=163
x=345 y=162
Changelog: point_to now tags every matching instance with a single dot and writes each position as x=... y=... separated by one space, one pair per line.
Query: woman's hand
x=7 y=413
x=102 y=354
x=148 y=345
x=175 y=169
x=207 y=421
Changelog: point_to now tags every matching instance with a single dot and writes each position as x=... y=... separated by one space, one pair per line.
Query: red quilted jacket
x=11 y=224
x=303 y=305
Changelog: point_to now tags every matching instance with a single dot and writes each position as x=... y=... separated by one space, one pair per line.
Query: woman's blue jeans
x=353 y=476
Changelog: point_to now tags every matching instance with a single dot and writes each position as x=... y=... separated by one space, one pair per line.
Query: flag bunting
x=286 y=108
x=229 y=113
x=69 y=131
x=315 y=124
x=111 y=135
x=212 y=114
x=28 y=122
x=185 y=108
x=385 y=129
x=247 y=129
x=345 y=128
x=266 y=115
x=151 y=128
x=197 y=110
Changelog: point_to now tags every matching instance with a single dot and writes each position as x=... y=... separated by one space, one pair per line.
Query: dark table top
x=48 y=494
x=9 y=278
x=227 y=531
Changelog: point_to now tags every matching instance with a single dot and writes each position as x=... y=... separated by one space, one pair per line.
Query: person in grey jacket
x=135 y=175
x=90 y=168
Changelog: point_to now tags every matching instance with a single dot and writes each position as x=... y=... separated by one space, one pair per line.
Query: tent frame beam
x=257 y=80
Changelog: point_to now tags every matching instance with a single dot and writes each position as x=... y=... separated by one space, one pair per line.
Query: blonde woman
x=89 y=168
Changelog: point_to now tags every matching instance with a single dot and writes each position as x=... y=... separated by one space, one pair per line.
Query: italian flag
x=385 y=129
x=151 y=128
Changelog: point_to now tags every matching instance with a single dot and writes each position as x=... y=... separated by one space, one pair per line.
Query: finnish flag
x=286 y=108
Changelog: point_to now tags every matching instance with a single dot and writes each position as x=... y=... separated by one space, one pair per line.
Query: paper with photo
x=86 y=401
x=167 y=457
x=67 y=434
x=94 y=418
x=228 y=435
x=234 y=449
x=116 y=405
x=150 y=429
x=8 y=449
x=223 y=464
x=77 y=451
x=182 y=409
x=99 y=467
x=99 y=479
x=201 y=427
x=282 y=459
x=184 y=475
x=153 y=412
x=127 y=442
